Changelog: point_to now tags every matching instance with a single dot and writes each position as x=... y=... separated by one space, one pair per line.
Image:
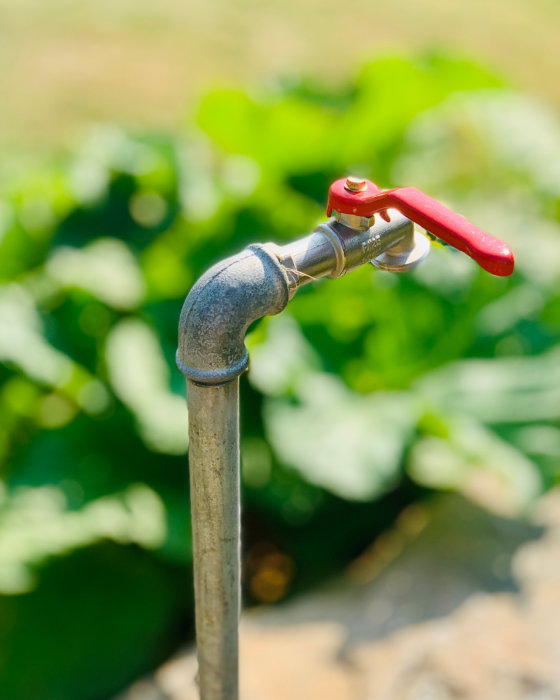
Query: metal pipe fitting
x=216 y=314
x=340 y=246
x=219 y=309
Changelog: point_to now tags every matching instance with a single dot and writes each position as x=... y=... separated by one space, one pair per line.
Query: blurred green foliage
x=364 y=393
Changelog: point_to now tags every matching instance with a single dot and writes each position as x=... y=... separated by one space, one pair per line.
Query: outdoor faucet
x=369 y=225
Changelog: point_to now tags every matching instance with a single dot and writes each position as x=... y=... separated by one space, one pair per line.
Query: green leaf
x=98 y=619
x=350 y=445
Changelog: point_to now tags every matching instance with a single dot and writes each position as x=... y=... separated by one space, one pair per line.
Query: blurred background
x=401 y=434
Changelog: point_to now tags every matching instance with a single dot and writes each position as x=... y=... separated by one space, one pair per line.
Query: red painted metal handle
x=490 y=253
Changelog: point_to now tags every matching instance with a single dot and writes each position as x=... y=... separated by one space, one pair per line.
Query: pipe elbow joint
x=219 y=309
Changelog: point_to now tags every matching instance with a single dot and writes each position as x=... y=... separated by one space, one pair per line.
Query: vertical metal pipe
x=215 y=512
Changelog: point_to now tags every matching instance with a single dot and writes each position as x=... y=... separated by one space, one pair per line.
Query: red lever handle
x=490 y=253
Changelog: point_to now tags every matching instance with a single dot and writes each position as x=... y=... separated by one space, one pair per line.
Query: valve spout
x=339 y=246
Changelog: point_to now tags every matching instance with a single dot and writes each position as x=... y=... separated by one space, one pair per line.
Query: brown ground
x=468 y=609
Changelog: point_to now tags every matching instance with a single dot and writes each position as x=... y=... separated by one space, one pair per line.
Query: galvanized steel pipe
x=214 y=478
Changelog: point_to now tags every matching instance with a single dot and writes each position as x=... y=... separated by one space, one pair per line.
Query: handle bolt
x=355 y=184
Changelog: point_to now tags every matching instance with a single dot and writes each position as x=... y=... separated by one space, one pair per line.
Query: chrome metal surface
x=335 y=247
x=214 y=477
x=405 y=255
x=353 y=221
x=360 y=246
x=310 y=258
